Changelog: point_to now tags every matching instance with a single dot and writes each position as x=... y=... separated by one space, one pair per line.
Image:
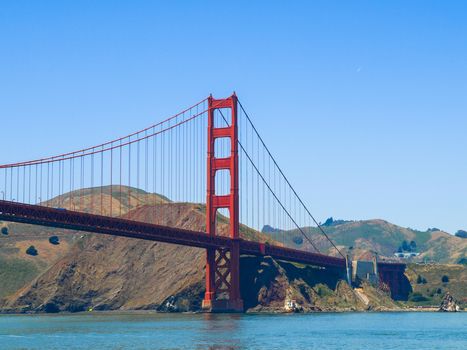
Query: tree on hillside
x=5 y=231
x=461 y=234
x=421 y=280
x=445 y=279
x=406 y=246
x=270 y=229
x=328 y=222
x=32 y=251
x=413 y=245
x=54 y=240
x=298 y=240
x=417 y=297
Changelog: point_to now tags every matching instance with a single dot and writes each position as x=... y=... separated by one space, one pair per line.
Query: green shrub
x=54 y=240
x=5 y=231
x=328 y=221
x=323 y=290
x=406 y=246
x=445 y=279
x=421 y=280
x=298 y=240
x=32 y=251
x=418 y=297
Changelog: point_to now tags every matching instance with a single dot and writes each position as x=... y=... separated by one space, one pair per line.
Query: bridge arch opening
x=223 y=222
x=222 y=147
x=222 y=117
x=222 y=182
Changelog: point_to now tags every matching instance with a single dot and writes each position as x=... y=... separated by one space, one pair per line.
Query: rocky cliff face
x=449 y=304
x=104 y=272
x=113 y=273
x=268 y=285
x=108 y=273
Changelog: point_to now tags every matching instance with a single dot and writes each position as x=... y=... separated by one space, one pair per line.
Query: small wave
x=12 y=336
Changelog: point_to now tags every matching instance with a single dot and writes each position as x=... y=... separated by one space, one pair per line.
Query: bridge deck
x=72 y=220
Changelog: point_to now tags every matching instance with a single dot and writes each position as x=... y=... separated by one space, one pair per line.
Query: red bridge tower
x=223 y=265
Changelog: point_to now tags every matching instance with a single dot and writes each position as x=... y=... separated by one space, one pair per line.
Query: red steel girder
x=72 y=220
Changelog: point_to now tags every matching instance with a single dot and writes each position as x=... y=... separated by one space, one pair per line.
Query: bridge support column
x=393 y=276
x=223 y=265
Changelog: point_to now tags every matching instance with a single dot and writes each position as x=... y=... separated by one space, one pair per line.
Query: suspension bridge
x=209 y=155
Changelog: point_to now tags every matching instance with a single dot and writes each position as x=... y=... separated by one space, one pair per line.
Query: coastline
x=417 y=309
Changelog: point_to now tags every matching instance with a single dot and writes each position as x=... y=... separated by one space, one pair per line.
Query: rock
x=449 y=304
x=170 y=305
x=291 y=305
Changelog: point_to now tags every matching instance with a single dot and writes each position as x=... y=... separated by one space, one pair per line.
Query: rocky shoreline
x=449 y=304
x=268 y=286
x=101 y=273
x=262 y=312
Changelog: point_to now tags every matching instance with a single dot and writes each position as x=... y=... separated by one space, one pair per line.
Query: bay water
x=403 y=330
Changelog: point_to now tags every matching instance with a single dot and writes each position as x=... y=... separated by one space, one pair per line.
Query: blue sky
x=363 y=103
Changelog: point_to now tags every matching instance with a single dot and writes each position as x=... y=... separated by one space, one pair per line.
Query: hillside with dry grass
x=106 y=273
x=361 y=239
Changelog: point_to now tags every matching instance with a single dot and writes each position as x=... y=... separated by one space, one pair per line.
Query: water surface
x=203 y=331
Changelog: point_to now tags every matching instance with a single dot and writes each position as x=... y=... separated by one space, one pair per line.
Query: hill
x=106 y=273
x=429 y=286
x=111 y=272
x=18 y=269
x=362 y=238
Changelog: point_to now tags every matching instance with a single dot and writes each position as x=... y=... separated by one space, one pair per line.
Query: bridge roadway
x=72 y=220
